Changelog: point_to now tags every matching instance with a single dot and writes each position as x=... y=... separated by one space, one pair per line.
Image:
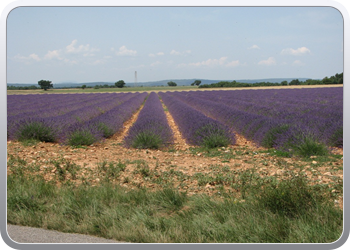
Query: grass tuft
x=81 y=137
x=310 y=147
x=147 y=139
x=289 y=197
x=106 y=131
x=270 y=137
x=36 y=131
x=213 y=137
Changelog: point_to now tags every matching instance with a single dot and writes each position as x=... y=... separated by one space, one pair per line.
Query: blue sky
x=87 y=44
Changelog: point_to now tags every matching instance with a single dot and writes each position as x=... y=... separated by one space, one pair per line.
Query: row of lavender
x=151 y=129
x=275 y=118
x=196 y=127
x=55 y=105
x=63 y=117
x=318 y=113
x=271 y=118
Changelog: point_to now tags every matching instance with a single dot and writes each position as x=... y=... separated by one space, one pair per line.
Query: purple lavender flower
x=151 y=130
x=197 y=128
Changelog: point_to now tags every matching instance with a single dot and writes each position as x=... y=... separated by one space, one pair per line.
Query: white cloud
x=213 y=62
x=35 y=57
x=97 y=62
x=71 y=54
x=233 y=64
x=81 y=48
x=295 y=52
x=70 y=61
x=155 y=63
x=70 y=48
x=210 y=62
x=156 y=54
x=298 y=63
x=174 y=52
x=27 y=59
x=52 y=54
x=177 y=53
x=254 y=47
x=268 y=62
x=123 y=51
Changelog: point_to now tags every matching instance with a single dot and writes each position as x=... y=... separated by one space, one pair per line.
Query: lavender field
x=285 y=119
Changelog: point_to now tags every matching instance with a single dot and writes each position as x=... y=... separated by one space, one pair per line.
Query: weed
x=30 y=142
x=310 y=147
x=270 y=137
x=290 y=197
x=147 y=139
x=36 y=131
x=81 y=137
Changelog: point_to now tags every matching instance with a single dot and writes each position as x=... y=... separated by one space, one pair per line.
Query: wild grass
x=266 y=209
x=81 y=137
x=147 y=139
x=35 y=131
x=213 y=137
x=309 y=147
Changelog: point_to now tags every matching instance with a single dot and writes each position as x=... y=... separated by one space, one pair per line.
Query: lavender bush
x=197 y=128
x=151 y=130
x=106 y=124
x=58 y=125
x=319 y=111
x=291 y=120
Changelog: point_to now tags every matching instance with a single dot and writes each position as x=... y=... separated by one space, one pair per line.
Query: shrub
x=289 y=197
x=147 y=139
x=308 y=147
x=336 y=139
x=81 y=137
x=36 y=131
x=171 y=199
x=106 y=131
x=269 y=139
x=213 y=136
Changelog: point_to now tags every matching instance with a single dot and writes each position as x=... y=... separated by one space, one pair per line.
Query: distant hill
x=180 y=82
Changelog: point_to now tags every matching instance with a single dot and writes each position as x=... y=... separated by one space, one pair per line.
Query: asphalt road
x=20 y=234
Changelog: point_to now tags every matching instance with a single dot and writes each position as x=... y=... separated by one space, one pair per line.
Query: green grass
x=268 y=209
x=169 y=216
x=147 y=139
x=35 y=131
x=310 y=147
x=107 y=131
x=81 y=137
x=271 y=135
x=212 y=137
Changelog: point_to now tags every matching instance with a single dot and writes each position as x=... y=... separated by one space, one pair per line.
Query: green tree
x=196 y=82
x=83 y=87
x=327 y=80
x=120 y=84
x=45 y=84
x=172 y=84
x=284 y=83
x=294 y=82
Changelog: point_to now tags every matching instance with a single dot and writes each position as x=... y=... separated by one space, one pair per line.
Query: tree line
x=336 y=79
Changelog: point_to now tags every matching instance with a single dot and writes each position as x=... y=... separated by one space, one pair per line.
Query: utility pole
x=135 y=84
